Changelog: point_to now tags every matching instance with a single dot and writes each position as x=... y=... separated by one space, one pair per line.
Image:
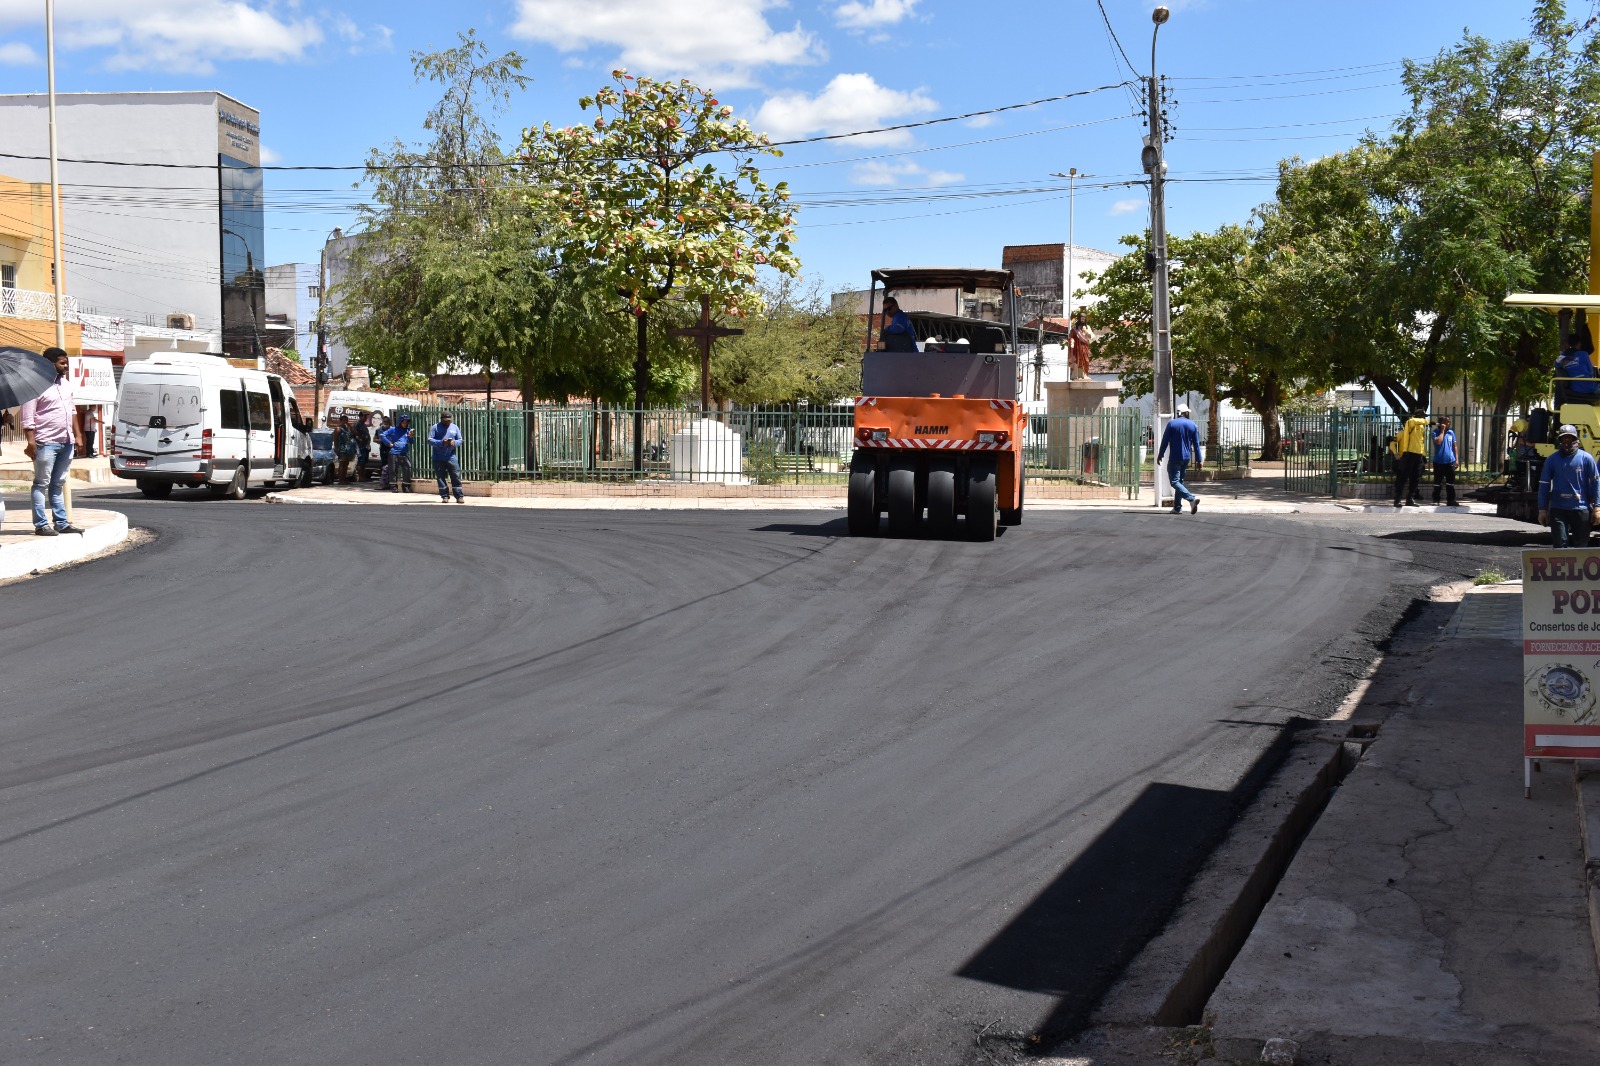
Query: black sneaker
x=69 y=528
x=44 y=531
x=1194 y=505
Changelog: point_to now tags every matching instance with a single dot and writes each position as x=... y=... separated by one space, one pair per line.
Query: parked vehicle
x=322 y=456
x=355 y=404
x=186 y=419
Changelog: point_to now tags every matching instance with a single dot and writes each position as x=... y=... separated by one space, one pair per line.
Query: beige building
x=27 y=283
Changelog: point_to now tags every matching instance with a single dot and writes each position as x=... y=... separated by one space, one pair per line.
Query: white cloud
x=175 y=35
x=269 y=157
x=888 y=175
x=673 y=37
x=19 y=54
x=874 y=14
x=979 y=122
x=1127 y=207
x=375 y=38
x=849 y=102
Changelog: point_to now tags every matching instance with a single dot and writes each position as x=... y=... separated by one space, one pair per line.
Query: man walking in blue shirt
x=1183 y=437
x=1569 y=492
x=445 y=439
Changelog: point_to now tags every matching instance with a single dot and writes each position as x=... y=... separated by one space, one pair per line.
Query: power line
x=820 y=138
x=1288 y=73
x=1107 y=20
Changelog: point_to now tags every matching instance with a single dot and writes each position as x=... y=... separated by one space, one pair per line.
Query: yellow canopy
x=1554 y=301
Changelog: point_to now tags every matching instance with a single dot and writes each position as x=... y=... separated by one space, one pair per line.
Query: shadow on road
x=1074 y=939
x=840 y=527
x=835 y=527
x=1529 y=537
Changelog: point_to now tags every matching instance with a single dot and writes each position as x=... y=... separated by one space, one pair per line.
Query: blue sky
x=1254 y=81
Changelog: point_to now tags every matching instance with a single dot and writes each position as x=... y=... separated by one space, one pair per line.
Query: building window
x=8 y=285
x=244 y=284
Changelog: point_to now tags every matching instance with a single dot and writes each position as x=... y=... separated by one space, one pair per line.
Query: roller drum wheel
x=862 y=508
x=1014 y=518
x=902 y=493
x=981 y=513
x=942 y=498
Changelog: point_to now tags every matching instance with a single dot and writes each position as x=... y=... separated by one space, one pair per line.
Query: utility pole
x=1066 y=297
x=1160 y=305
x=1038 y=349
x=320 y=360
x=58 y=269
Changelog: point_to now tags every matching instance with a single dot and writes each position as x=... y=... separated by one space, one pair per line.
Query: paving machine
x=939 y=431
x=1533 y=438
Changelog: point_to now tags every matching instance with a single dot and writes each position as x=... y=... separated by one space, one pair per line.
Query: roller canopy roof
x=967 y=279
x=1550 y=301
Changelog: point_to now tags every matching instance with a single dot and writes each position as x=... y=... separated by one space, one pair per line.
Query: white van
x=355 y=404
x=186 y=419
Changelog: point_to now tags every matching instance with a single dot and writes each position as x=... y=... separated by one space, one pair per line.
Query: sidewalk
x=22 y=553
x=1433 y=915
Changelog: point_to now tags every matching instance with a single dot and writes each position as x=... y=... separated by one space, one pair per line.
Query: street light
x=1072 y=190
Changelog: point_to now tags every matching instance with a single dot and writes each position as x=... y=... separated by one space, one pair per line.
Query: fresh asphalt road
x=463 y=785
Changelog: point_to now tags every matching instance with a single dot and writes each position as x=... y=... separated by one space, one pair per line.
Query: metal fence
x=804 y=449
x=1345 y=454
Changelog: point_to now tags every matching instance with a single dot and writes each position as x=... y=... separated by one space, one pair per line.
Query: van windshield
x=175 y=405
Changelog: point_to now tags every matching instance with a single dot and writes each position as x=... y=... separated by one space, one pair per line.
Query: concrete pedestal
x=1070 y=446
x=1082 y=397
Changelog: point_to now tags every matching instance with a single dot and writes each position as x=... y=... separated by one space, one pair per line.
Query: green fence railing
x=1345 y=454
x=780 y=445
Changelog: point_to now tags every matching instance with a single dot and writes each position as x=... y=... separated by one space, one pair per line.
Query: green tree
x=642 y=201
x=1232 y=295
x=1482 y=189
x=425 y=202
x=458 y=265
x=797 y=347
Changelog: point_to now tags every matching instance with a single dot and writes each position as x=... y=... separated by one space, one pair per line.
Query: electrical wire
x=818 y=139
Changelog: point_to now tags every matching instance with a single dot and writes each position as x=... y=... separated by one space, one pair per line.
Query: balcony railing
x=25 y=303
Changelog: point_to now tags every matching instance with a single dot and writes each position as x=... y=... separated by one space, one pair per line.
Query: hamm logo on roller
x=932 y=429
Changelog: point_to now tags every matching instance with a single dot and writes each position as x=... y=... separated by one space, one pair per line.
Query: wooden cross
x=704 y=334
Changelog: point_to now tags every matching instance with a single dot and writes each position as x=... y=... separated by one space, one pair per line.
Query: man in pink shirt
x=51 y=426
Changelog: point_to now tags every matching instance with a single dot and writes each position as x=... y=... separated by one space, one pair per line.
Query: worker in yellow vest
x=1408 y=449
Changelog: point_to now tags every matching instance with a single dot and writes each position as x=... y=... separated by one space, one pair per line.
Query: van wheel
x=154 y=490
x=233 y=490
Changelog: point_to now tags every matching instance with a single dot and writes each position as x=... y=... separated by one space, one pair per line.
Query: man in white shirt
x=50 y=424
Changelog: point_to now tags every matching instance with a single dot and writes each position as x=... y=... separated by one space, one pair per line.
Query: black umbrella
x=24 y=376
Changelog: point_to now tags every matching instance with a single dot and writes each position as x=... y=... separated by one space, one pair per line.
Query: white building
x=162 y=202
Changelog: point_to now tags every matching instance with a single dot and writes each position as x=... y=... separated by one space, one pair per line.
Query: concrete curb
x=1586 y=791
x=1460 y=508
x=103 y=530
x=1168 y=983
x=1210 y=505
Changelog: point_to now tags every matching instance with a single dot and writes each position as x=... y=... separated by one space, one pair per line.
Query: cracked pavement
x=1433 y=915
